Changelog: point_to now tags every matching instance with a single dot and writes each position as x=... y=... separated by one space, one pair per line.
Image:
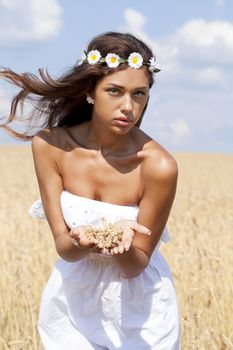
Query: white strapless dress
x=89 y=305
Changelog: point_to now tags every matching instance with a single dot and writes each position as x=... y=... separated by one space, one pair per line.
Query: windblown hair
x=62 y=101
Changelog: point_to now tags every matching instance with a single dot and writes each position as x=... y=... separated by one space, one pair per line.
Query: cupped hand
x=128 y=227
x=80 y=239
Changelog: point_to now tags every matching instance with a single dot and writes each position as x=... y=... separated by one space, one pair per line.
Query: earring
x=90 y=100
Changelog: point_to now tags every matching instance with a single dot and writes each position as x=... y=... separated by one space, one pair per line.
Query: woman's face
x=120 y=98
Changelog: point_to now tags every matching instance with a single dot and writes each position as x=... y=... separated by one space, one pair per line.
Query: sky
x=191 y=102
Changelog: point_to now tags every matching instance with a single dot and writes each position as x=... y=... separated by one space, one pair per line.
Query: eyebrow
x=122 y=87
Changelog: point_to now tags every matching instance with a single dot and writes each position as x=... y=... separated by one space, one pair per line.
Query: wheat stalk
x=108 y=236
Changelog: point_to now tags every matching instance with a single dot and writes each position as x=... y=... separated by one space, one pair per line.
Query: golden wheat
x=200 y=253
x=107 y=235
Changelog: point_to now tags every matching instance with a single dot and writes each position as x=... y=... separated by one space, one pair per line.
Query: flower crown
x=135 y=60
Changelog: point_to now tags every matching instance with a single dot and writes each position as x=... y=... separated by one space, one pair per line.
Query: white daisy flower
x=152 y=66
x=82 y=59
x=135 y=60
x=112 y=60
x=93 y=57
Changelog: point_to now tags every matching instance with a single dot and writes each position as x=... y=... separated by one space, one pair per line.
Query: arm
x=160 y=179
x=132 y=262
x=50 y=184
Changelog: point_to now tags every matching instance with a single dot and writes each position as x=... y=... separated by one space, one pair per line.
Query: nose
x=127 y=103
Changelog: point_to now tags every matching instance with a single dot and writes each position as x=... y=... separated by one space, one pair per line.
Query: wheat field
x=200 y=253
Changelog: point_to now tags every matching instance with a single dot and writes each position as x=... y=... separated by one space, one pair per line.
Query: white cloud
x=199 y=53
x=199 y=32
x=135 y=22
x=197 y=45
x=28 y=20
x=205 y=42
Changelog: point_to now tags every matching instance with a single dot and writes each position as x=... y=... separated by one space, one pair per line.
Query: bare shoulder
x=48 y=139
x=158 y=163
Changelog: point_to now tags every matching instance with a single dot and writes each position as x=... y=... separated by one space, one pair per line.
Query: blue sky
x=192 y=100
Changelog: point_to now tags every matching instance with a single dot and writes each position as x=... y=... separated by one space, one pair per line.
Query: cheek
x=144 y=105
x=140 y=107
x=102 y=107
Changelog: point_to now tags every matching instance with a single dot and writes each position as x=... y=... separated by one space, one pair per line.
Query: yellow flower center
x=93 y=57
x=113 y=59
x=135 y=60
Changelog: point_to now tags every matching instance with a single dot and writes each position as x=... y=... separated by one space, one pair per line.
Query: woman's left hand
x=128 y=227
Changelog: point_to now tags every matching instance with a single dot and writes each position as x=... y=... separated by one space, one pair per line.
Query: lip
x=123 y=121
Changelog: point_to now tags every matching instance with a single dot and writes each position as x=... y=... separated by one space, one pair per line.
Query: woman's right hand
x=80 y=239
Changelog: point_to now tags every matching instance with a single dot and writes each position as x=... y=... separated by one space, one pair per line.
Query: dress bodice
x=79 y=210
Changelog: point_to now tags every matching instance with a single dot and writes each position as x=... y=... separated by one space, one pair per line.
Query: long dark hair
x=62 y=101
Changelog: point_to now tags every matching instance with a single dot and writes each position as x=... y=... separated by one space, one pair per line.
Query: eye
x=113 y=91
x=140 y=93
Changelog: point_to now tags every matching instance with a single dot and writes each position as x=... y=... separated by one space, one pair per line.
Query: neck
x=105 y=141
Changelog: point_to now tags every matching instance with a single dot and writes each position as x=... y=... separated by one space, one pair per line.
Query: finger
x=92 y=244
x=121 y=248
x=114 y=250
x=103 y=251
x=73 y=234
x=106 y=251
x=127 y=243
x=93 y=240
x=140 y=228
x=82 y=237
x=84 y=241
x=127 y=238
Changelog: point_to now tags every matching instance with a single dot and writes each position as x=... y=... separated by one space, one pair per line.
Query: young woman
x=92 y=161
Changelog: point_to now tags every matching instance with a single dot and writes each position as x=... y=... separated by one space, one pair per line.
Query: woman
x=92 y=161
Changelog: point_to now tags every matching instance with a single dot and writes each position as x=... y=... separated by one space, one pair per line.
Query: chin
x=122 y=131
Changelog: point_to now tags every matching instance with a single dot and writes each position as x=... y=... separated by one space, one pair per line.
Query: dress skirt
x=89 y=305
